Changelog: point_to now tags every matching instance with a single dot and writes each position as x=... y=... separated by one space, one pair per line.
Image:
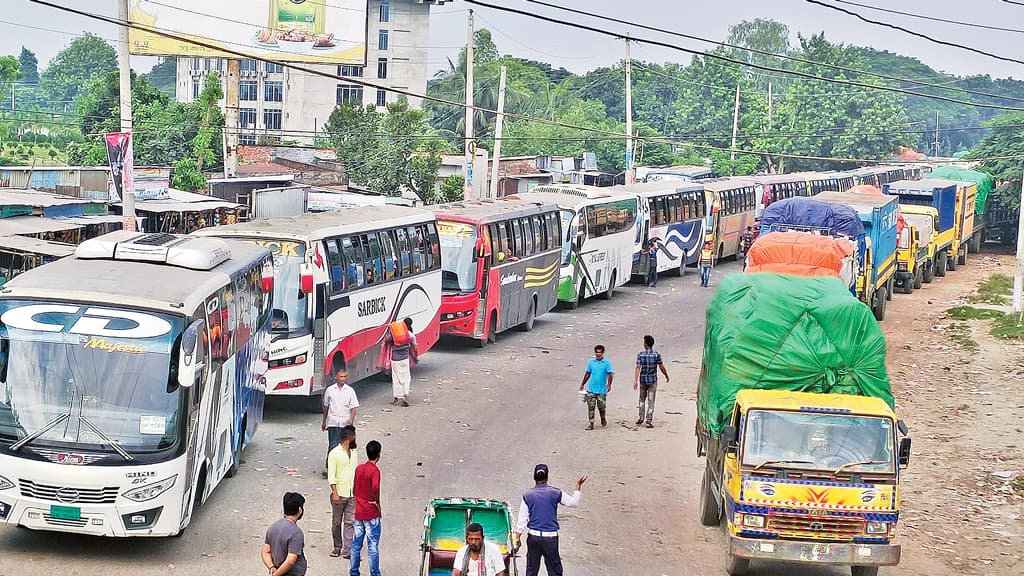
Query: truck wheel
x=863 y=570
x=961 y=258
x=738 y=566
x=890 y=288
x=929 y=272
x=879 y=304
x=710 y=514
x=951 y=261
x=919 y=276
x=941 y=264
x=908 y=285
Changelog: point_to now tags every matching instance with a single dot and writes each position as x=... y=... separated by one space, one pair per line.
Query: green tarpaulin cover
x=984 y=181
x=781 y=332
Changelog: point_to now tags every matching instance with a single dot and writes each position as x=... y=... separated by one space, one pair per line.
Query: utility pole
x=125 y=88
x=936 y=143
x=629 y=116
x=469 y=144
x=499 y=124
x=769 y=105
x=735 y=123
x=231 y=126
x=1018 y=277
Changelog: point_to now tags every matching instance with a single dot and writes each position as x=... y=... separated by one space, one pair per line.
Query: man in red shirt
x=366 y=491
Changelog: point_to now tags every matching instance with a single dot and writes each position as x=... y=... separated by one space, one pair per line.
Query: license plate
x=66 y=512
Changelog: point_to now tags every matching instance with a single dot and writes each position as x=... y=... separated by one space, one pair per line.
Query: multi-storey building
x=278 y=101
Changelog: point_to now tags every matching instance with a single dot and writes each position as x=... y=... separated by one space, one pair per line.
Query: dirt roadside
x=961 y=392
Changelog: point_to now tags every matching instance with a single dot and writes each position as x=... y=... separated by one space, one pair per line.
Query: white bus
x=674 y=212
x=600 y=235
x=341 y=278
x=132 y=376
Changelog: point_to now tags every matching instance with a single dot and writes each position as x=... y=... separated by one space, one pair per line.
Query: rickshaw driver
x=479 y=557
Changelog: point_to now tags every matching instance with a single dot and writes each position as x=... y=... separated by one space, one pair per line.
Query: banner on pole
x=119 y=155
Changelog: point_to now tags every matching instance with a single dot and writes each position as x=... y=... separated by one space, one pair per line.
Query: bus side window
x=403 y=251
x=416 y=249
x=375 y=262
x=540 y=236
x=389 y=251
x=337 y=268
x=554 y=230
x=528 y=244
x=435 y=246
x=496 y=246
x=353 y=263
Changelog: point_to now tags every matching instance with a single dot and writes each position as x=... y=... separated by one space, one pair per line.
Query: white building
x=278 y=101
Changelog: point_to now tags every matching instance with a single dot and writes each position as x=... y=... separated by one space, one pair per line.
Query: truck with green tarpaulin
x=803 y=449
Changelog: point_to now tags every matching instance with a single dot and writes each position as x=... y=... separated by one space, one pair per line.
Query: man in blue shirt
x=598 y=380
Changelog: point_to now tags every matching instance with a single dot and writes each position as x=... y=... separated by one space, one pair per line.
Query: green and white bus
x=600 y=237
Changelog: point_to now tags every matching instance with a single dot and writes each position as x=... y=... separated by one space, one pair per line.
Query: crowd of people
x=355 y=488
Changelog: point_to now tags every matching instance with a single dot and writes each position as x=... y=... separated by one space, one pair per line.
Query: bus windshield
x=66 y=363
x=289 y=314
x=567 y=216
x=458 y=266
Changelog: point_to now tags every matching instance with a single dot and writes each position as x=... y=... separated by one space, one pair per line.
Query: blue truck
x=948 y=197
x=879 y=215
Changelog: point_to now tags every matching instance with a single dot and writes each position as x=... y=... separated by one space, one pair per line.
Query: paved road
x=480 y=420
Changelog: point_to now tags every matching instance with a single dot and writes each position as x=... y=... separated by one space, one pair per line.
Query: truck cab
x=924 y=221
x=806 y=477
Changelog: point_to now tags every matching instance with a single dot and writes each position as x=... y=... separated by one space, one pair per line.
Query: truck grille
x=816 y=527
x=68 y=494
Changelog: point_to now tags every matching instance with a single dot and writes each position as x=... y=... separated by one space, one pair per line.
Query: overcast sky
x=580 y=51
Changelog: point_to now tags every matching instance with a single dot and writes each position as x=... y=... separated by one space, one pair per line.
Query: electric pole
x=735 y=123
x=629 y=116
x=499 y=123
x=231 y=127
x=1018 y=277
x=469 y=144
x=125 y=76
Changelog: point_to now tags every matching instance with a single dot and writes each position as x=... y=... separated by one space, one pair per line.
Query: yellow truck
x=955 y=202
x=917 y=246
x=803 y=450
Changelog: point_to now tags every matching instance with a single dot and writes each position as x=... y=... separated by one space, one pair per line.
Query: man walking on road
x=366 y=489
x=283 y=546
x=341 y=473
x=538 y=517
x=403 y=352
x=598 y=380
x=707 y=262
x=340 y=405
x=646 y=380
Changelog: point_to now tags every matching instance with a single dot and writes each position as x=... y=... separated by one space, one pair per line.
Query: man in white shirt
x=478 y=557
x=340 y=405
x=538 y=517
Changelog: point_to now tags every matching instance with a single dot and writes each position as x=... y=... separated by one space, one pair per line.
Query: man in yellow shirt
x=341 y=472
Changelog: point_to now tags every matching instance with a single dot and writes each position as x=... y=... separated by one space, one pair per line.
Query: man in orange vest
x=403 y=352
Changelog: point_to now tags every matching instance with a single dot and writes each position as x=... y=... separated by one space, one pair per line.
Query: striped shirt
x=648 y=362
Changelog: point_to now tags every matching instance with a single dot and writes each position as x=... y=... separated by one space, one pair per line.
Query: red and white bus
x=340 y=279
x=500 y=265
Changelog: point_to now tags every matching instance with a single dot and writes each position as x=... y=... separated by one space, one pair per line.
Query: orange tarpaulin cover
x=798 y=253
x=869 y=189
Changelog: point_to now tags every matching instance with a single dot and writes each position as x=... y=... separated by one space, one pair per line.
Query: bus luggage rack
x=68 y=494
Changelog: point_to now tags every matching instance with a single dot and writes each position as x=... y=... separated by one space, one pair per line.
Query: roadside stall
x=180 y=212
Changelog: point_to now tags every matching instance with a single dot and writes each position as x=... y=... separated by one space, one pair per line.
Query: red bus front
x=463 y=261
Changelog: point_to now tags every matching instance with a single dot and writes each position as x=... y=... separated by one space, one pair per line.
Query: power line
x=932 y=18
x=410 y=93
x=746 y=49
x=912 y=33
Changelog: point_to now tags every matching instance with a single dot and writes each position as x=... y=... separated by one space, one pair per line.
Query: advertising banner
x=315 y=31
x=119 y=155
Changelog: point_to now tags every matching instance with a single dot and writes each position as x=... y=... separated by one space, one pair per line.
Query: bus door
x=483 y=255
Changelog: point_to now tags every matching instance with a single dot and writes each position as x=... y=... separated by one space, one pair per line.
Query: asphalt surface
x=479 y=421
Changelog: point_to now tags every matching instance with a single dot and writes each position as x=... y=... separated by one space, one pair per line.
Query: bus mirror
x=904 y=455
x=191 y=357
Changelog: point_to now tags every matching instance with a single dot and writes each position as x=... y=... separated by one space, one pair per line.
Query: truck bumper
x=847 y=554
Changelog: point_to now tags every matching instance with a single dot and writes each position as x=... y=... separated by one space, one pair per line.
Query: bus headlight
x=753 y=521
x=5 y=483
x=877 y=528
x=150 y=491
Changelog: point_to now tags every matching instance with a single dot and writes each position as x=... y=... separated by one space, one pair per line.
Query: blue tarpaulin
x=799 y=212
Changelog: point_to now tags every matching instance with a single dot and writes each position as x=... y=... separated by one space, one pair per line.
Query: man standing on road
x=403 y=351
x=340 y=405
x=646 y=380
x=341 y=473
x=478 y=557
x=283 y=546
x=652 y=262
x=538 y=517
x=366 y=489
x=707 y=262
x=598 y=380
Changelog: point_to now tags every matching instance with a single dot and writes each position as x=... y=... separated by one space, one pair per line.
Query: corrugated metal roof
x=33 y=225
x=36 y=246
x=37 y=198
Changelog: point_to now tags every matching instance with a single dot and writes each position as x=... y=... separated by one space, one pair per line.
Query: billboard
x=317 y=31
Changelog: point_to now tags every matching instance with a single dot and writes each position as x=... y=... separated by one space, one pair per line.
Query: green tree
x=8 y=74
x=87 y=57
x=386 y=152
x=163 y=76
x=29 y=66
x=764 y=36
x=1005 y=139
x=451 y=189
x=188 y=172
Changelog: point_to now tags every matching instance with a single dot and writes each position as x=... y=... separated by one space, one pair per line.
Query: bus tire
x=531 y=315
x=681 y=270
x=735 y=566
x=863 y=570
x=710 y=512
x=315 y=403
x=940 y=264
x=197 y=498
x=611 y=286
x=236 y=456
